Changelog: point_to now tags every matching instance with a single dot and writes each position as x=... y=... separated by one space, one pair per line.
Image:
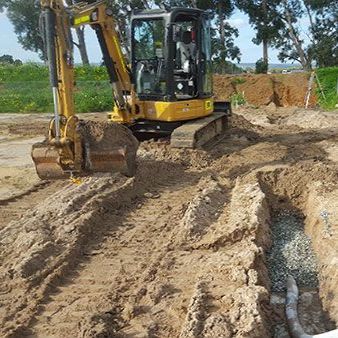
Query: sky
x=250 y=52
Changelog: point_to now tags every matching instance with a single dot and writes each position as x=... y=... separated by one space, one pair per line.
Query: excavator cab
x=171 y=69
x=171 y=54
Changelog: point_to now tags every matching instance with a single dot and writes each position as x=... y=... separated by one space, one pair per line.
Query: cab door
x=205 y=61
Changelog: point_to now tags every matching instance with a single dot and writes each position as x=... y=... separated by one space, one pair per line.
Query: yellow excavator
x=164 y=89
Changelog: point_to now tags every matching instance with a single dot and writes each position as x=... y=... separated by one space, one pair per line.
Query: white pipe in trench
x=292 y=314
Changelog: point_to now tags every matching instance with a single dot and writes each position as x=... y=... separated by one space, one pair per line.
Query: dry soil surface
x=283 y=90
x=180 y=249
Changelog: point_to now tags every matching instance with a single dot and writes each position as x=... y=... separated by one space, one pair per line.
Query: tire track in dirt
x=13 y=208
x=93 y=209
x=118 y=261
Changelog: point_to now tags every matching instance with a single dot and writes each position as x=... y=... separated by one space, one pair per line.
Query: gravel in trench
x=291 y=253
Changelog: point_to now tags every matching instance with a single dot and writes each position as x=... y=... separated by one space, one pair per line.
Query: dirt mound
x=201 y=211
x=312 y=119
x=106 y=134
x=322 y=226
x=108 y=146
x=284 y=185
x=284 y=90
x=161 y=151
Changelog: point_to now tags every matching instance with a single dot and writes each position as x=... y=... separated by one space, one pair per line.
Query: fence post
x=309 y=90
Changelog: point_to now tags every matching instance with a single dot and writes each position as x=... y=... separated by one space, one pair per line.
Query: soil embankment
x=283 y=90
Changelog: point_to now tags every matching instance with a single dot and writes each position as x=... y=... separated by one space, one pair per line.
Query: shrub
x=261 y=67
x=328 y=78
x=238 y=80
x=26 y=88
x=237 y=99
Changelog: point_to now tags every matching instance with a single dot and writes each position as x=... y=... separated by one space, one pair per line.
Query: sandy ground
x=18 y=132
x=178 y=250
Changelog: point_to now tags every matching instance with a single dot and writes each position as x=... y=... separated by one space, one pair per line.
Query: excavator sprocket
x=103 y=147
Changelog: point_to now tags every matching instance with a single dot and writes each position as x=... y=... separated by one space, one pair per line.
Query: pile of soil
x=284 y=90
x=108 y=146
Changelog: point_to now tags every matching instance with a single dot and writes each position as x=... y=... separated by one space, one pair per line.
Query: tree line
x=281 y=24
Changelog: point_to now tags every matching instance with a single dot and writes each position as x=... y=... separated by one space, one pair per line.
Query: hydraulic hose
x=111 y=69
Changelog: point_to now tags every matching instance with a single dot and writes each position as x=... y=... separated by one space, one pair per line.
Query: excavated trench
x=220 y=269
x=291 y=254
x=302 y=243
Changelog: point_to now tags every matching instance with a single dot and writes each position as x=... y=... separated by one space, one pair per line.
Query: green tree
x=322 y=31
x=323 y=16
x=280 y=25
x=25 y=17
x=223 y=44
x=8 y=59
x=290 y=42
x=265 y=21
x=261 y=67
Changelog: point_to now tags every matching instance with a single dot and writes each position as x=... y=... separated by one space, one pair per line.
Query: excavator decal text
x=82 y=19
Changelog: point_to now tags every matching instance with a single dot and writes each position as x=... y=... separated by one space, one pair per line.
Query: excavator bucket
x=47 y=161
x=102 y=147
x=108 y=147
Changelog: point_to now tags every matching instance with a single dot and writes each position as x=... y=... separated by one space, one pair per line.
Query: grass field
x=26 y=89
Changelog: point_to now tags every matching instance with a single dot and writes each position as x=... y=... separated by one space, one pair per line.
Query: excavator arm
x=100 y=18
x=73 y=146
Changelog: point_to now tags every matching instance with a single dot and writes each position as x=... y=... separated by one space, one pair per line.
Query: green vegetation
x=328 y=78
x=261 y=67
x=26 y=89
x=237 y=99
x=238 y=80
